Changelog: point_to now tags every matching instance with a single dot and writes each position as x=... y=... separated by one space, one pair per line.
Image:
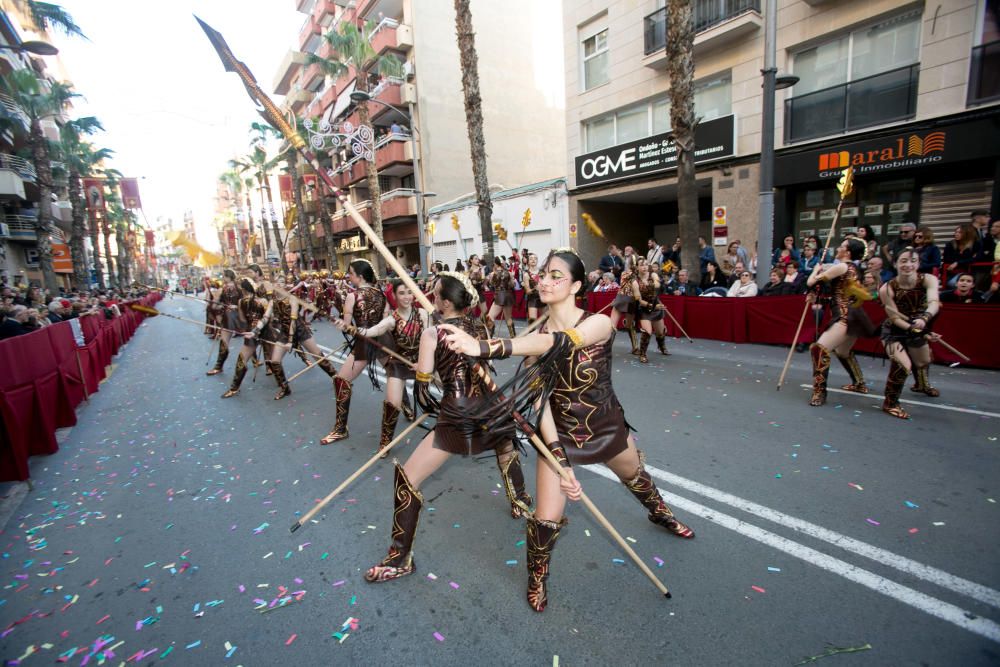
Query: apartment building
x=907 y=92
x=421 y=146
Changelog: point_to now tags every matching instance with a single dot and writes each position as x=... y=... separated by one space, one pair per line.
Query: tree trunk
x=264 y=232
x=301 y=226
x=250 y=226
x=474 y=122
x=274 y=225
x=80 y=278
x=112 y=279
x=374 y=191
x=95 y=247
x=331 y=246
x=43 y=223
x=680 y=67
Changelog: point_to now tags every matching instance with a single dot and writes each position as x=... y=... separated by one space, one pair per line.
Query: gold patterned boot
x=406 y=406
x=922 y=382
x=342 y=389
x=510 y=328
x=850 y=364
x=221 y=359
x=278 y=371
x=512 y=476
x=241 y=371
x=644 y=489
x=407 y=502
x=661 y=342
x=390 y=415
x=893 y=388
x=643 y=346
x=327 y=367
x=541 y=538
x=632 y=338
x=821 y=370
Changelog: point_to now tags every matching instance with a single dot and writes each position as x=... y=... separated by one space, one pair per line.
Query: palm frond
x=48 y=15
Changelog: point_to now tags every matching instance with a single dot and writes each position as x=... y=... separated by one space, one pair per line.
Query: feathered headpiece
x=588 y=220
x=466 y=283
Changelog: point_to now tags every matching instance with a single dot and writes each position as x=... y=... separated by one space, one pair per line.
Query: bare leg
x=491 y=316
x=899 y=369
x=508 y=314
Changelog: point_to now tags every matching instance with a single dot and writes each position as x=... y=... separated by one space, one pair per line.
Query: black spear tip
x=295 y=526
x=667 y=595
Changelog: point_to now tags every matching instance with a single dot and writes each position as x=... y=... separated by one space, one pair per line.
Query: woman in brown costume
x=254 y=313
x=582 y=421
x=229 y=301
x=462 y=391
x=849 y=321
x=502 y=284
x=478 y=279
x=625 y=306
x=530 y=283
x=646 y=291
x=404 y=325
x=291 y=333
x=367 y=305
x=911 y=302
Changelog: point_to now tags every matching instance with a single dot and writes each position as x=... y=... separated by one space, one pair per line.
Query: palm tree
x=474 y=122
x=39 y=104
x=234 y=184
x=47 y=15
x=680 y=67
x=111 y=178
x=81 y=158
x=260 y=166
x=351 y=47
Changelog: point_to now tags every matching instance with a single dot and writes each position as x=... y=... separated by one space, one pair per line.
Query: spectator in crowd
x=734 y=277
x=55 y=311
x=706 y=254
x=654 y=255
x=12 y=319
x=808 y=259
x=713 y=277
x=927 y=251
x=875 y=264
x=964 y=291
x=774 y=286
x=731 y=258
x=867 y=235
x=459 y=267
x=988 y=253
x=960 y=252
x=593 y=280
x=786 y=253
x=629 y=258
x=794 y=281
x=680 y=285
x=980 y=221
x=744 y=287
x=673 y=253
x=607 y=283
x=892 y=248
x=871 y=282
x=612 y=263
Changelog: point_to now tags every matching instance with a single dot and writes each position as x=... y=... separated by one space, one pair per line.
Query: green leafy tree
x=259 y=165
x=48 y=15
x=82 y=161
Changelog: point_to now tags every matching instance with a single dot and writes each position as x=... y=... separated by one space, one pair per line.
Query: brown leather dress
x=405 y=340
x=911 y=303
x=281 y=316
x=502 y=285
x=230 y=296
x=534 y=299
x=648 y=293
x=589 y=419
x=369 y=305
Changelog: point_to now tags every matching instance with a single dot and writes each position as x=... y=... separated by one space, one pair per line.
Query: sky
x=171 y=113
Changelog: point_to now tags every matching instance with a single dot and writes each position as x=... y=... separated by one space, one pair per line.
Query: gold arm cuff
x=424 y=377
x=575 y=336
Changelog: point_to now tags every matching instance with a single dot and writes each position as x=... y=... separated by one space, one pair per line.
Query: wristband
x=424 y=377
x=495 y=348
x=559 y=453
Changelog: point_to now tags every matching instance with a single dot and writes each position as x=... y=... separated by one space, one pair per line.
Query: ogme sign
x=713 y=139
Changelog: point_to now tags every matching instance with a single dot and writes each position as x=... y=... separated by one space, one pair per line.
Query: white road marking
x=912 y=402
x=925 y=603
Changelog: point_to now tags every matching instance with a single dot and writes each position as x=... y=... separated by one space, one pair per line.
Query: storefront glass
x=883 y=205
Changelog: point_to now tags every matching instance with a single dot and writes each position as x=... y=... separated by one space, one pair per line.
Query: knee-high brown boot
x=850 y=364
x=490 y=324
x=821 y=370
x=221 y=359
x=390 y=415
x=342 y=389
x=406 y=406
x=643 y=346
x=632 y=338
x=510 y=328
x=893 y=388
x=406 y=511
x=661 y=342
x=644 y=489
x=327 y=367
x=513 y=483
x=541 y=538
x=278 y=371
x=241 y=371
x=922 y=382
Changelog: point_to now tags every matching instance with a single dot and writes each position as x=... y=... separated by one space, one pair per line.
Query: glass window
x=661 y=116
x=713 y=98
x=595 y=60
x=600 y=133
x=821 y=67
x=885 y=46
x=633 y=124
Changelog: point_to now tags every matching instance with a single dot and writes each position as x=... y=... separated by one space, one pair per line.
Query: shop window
x=882 y=205
x=595 y=60
x=864 y=78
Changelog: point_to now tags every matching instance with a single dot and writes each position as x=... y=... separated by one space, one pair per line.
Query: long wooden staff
x=846 y=186
x=380 y=454
x=274 y=116
x=948 y=347
x=326 y=357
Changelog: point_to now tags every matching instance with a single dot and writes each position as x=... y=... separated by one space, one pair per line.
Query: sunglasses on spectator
x=918 y=236
x=744 y=275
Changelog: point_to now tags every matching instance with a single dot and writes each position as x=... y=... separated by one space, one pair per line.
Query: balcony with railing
x=13 y=110
x=323 y=12
x=22 y=227
x=390 y=34
x=984 y=74
x=290 y=65
x=716 y=22
x=397 y=206
x=309 y=35
x=874 y=100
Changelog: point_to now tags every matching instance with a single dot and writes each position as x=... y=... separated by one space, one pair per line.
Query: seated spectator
x=875 y=264
x=808 y=258
x=55 y=308
x=786 y=253
x=964 y=291
x=734 y=277
x=680 y=286
x=713 y=276
x=730 y=259
x=11 y=321
x=929 y=253
x=745 y=287
x=774 y=286
x=960 y=252
x=872 y=282
x=607 y=283
x=794 y=281
x=593 y=280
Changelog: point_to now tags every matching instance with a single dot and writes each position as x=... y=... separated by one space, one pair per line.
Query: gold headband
x=564 y=249
x=466 y=284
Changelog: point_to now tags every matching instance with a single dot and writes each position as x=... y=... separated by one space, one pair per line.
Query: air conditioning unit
x=4 y=231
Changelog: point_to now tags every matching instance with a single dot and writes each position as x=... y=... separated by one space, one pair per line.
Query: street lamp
x=772 y=82
x=32 y=46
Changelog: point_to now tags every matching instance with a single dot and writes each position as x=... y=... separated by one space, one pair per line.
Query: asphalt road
x=160 y=529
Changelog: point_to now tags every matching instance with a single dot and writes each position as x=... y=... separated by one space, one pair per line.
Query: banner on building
x=150 y=238
x=62 y=261
x=231 y=240
x=130 y=193
x=94 y=189
x=285 y=188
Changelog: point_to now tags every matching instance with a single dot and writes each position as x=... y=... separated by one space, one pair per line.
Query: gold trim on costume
x=575 y=336
x=424 y=377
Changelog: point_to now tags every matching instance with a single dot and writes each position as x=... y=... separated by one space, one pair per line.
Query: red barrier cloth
x=773 y=320
x=17 y=406
x=719 y=318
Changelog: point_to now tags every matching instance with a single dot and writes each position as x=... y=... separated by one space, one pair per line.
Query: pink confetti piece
x=453 y=584
x=873 y=522
x=339 y=583
x=856 y=486
x=290 y=640
x=659 y=561
x=438 y=636
x=913 y=530
x=103 y=618
x=758 y=589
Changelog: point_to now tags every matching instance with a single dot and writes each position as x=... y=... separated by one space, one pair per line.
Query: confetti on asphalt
x=438 y=636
